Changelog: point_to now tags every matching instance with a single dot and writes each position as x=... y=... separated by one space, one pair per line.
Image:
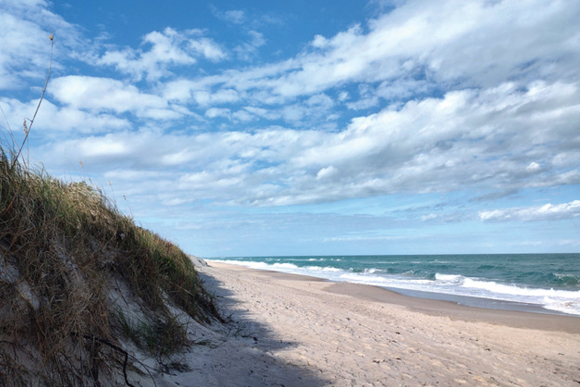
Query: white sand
x=297 y=331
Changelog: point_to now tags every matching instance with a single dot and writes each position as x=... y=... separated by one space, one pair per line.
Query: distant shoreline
x=512 y=314
x=489 y=283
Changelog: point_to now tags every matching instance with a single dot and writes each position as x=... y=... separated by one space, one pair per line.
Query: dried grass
x=62 y=245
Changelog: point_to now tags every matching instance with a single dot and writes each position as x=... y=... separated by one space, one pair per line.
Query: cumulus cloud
x=466 y=140
x=538 y=213
x=437 y=145
x=165 y=49
x=421 y=44
x=479 y=96
x=109 y=95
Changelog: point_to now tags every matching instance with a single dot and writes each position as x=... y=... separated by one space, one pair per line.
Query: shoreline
x=458 y=307
x=491 y=286
x=295 y=331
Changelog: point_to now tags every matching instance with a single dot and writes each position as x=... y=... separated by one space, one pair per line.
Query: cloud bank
x=480 y=98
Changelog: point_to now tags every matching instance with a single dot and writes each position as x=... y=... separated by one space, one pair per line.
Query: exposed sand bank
x=299 y=331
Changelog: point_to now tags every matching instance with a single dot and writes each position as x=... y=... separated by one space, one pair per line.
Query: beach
x=290 y=330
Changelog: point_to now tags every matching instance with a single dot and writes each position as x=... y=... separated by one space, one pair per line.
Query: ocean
x=548 y=283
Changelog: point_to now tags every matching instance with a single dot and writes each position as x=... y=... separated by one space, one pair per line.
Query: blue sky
x=310 y=127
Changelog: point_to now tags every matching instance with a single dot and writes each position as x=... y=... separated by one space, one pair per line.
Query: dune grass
x=62 y=247
x=65 y=253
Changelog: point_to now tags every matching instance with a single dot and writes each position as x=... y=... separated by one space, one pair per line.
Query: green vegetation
x=63 y=248
x=81 y=285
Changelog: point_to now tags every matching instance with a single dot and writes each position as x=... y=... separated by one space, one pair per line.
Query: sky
x=263 y=128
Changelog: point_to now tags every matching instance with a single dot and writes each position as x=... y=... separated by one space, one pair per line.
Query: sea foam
x=565 y=301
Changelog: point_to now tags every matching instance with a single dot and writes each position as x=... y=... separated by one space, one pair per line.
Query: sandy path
x=297 y=331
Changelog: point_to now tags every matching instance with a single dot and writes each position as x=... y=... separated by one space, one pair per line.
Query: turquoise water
x=548 y=281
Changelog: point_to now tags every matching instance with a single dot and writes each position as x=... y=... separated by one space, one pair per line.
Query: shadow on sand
x=247 y=357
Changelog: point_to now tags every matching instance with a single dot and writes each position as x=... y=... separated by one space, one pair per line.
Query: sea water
x=533 y=282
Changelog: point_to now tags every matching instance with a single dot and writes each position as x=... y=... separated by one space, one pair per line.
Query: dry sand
x=291 y=330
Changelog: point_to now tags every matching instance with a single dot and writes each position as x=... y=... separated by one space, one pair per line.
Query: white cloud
x=503 y=118
x=423 y=43
x=60 y=119
x=223 y=96
x=243 y=116
x=533 y=167
x=326 y=172
x=109 y=95
x=166 y=49
x=466 y=139
x=476 y=140
x=217 y=112
x=207 y=48
x=25 y=54
x=319 y=41
x=343 y=96
x=320 y=101
x=365 y=103
x=546 y=212
x=103 y=147
x=263 y=113
x=428 y=217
